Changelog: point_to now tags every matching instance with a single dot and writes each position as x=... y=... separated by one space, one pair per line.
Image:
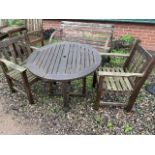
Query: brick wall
x=145 y=32
x=47 y=24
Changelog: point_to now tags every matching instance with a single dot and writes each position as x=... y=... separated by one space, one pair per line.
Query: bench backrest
x=34 y=24
x=139 y=61
x=15 y=49
x=97 y=35
x=3 y=22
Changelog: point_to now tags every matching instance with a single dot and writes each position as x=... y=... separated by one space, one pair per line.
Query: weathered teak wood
x=117 y=74
x=13 y=54
x=35 y=31
x=115 y=54
x=10 y=30
x=130 y=78
x=3 y=23
x=97 y=35
x=64 y=62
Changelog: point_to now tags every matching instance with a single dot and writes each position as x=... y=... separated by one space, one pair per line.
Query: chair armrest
x=13 y=65
x=115 y=54
x=119 y=74
x=106 y=50
x=3 y=26
x=34 y=48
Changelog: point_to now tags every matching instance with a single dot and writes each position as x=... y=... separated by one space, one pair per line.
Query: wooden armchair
x=35 y=31
x=13 y=55
x=127 y=80
x=3 y=23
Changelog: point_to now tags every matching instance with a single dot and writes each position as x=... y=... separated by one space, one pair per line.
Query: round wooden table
x=64 y=61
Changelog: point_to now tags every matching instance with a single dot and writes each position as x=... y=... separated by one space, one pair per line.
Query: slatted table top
x=64 y=61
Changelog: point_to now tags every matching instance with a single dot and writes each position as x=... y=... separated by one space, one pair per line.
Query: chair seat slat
x=116 y=83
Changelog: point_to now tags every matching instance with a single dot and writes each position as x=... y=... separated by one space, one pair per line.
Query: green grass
x=110 y=125
x=127 y=128
x=117 y=62
x=98 y=119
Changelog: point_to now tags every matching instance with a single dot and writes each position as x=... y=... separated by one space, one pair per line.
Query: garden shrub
x=16 y=22
x=126 y=40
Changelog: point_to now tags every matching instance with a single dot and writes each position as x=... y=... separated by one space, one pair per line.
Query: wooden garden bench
x=13 y=55
x=97 y=35
x=128 y=80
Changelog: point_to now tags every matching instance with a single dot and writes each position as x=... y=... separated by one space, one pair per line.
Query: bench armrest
x=34 y=48
x=13 y=65
x=119 y=74
x=1 y=27
x=53 y=34
x=115 y=54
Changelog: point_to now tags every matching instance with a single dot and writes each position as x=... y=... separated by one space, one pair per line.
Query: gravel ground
x=48 y=113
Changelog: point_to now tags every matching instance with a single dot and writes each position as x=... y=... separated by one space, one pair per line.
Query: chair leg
x=84 y=86
x=27 y=87
x=65 y=94
x=99 y=93
x=131 y=101
x=10 y=83
x=51 y=87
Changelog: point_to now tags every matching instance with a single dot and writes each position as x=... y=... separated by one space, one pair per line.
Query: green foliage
x=55 y=40
x=16 y=22
x=110 y=125
x=98 y=119
x=55 y=109
x=127 y=128
x=121 y=51
x=89 y=82
x=128 y=39
x=118 y=61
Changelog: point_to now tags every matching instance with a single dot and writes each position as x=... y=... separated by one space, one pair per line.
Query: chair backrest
x=15 y=49
x=139 y=61
x=3 y=22
x=97 y=35
x=34 y=24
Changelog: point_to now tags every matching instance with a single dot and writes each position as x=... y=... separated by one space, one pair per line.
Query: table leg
x=84 y=86
x=94 y=80
x=50 y=88
x=65 y=93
